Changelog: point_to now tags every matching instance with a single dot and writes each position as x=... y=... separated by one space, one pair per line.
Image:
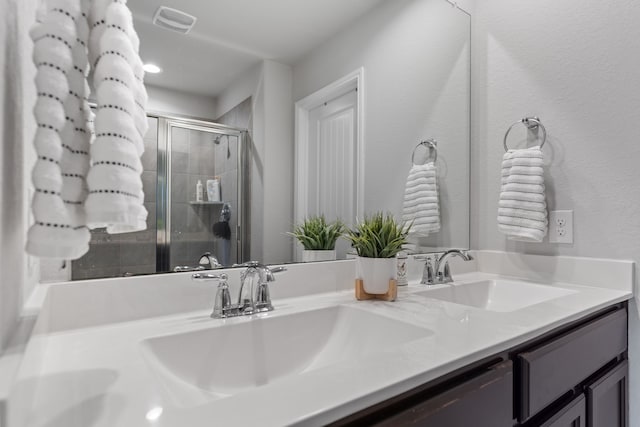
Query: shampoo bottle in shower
x=199 y=191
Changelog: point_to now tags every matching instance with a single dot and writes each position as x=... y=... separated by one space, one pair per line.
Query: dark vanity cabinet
x=573 y=414
x=608 y=399
x=481 y=396
x=602 y=403
x=483 y=400
x=588 y=360
x=574 y=376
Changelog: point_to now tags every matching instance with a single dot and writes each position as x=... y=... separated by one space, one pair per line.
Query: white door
x=332 y=162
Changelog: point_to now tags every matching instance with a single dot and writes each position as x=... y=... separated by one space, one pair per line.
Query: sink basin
x=228 y=359
x=496 y=295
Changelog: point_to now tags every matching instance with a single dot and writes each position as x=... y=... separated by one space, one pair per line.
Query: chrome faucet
x=209 y=261
x=252 y=298
x=206 y=262
x=222 y=306
x=440 y=272
x=255 y=298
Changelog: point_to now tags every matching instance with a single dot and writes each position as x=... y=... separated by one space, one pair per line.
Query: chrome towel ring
x=531 y=123
x=431 y=144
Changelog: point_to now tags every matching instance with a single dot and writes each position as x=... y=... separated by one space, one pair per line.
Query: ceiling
x=232 y=36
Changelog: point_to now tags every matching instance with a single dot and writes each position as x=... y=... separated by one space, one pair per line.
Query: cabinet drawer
x=550 y=370
x=483 y=401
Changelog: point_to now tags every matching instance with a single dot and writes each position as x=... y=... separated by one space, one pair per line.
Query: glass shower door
x=196 y=225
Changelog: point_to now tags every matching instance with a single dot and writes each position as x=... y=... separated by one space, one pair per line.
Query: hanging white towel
x=63 y=136
x=522 y=210
x=115 y=197
x=72 y=193
x=421 y=200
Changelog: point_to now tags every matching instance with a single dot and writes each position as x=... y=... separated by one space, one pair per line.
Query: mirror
x=334 y=97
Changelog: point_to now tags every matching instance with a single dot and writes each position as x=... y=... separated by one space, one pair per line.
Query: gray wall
x=576 y=64
x=17 y=127
x=174 y=102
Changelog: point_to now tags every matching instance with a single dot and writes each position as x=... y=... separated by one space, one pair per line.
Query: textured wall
x=576 y=64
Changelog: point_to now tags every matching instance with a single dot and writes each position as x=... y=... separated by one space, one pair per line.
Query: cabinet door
x=483 y=401
x=552 y=369
x=607 y=398
x=572 y=415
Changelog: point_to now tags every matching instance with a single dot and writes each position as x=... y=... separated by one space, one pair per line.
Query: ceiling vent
x=174 y=20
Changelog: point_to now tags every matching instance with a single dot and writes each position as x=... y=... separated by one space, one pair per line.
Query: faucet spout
x=209 y=261
x=254 y=294
x=442 y=271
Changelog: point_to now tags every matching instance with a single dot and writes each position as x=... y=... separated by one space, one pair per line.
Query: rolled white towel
x=523 y=179
x=116 y=196
x=62 y=140
x=523 y=188
x=522 y=211
x=526 y=171
x=518 y=204
x=522 y=196
x=421 y=201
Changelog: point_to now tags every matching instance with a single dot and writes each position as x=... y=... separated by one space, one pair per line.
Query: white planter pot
x=323 y=255
x=375 y=273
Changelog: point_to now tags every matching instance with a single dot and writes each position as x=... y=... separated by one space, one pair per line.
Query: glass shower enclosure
x=179 y=153
x=187 y=227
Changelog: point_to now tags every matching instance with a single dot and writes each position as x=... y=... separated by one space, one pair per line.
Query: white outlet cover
x=561 y=227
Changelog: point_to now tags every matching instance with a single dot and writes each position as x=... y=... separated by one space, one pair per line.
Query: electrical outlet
x=561 y=227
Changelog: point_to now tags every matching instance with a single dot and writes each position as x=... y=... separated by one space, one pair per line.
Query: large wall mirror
x=289 y=109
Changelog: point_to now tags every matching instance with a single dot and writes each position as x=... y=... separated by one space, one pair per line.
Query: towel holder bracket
x=431 y=144
x=533 y=124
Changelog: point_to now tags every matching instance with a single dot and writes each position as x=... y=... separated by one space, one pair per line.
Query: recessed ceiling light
x=151 y=68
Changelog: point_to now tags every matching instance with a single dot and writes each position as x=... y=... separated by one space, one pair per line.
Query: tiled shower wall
x=239 y=117
x=194 y=156
x=112 y=255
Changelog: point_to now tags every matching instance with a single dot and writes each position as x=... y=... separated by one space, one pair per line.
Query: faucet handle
x=222 y=277
x=222 y=307
x=427 y=273
x=262 y=296
x=270 y=271
x=248 y=264
x=183 y=268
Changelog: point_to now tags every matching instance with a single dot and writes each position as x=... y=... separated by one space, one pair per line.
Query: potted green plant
x=318 y=238
x=377 y=240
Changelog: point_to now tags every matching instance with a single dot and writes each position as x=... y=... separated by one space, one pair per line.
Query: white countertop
x=97 y=375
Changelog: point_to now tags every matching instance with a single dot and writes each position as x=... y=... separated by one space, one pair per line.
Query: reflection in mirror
x=302 y=108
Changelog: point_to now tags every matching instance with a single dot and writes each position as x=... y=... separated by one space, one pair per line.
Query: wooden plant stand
x=390 y=295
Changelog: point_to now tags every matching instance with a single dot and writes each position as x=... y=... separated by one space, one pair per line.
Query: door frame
x=351 y=81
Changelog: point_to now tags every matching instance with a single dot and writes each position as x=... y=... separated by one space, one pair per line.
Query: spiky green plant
x=379 y=236
x=316 y=234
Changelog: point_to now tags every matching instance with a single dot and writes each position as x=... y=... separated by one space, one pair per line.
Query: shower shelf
x=206 y=203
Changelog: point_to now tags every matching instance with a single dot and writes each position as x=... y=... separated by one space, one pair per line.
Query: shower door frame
x=163 y=186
